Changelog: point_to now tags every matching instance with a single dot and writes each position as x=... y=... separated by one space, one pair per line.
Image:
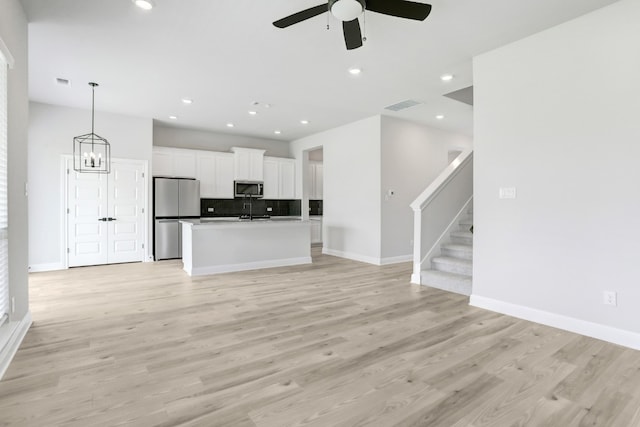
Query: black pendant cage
x=91 y=154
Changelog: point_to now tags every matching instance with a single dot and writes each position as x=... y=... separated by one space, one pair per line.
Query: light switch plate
x=507 y=192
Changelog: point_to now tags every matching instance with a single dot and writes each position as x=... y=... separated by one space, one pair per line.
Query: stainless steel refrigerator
x=173 y=199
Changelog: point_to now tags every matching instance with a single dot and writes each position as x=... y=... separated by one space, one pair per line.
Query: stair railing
x=437 y=210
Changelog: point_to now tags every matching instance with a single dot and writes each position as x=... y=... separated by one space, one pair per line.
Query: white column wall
x=556 y=117
x=351 y=206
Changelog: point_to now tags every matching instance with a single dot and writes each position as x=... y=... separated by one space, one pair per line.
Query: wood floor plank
x=334 y=343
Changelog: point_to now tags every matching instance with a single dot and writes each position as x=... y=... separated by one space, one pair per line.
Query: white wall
x=13 y=32
x=351 y=207
x=205 y=140
x=556 y=116
x=51 y=132
x=413 y=155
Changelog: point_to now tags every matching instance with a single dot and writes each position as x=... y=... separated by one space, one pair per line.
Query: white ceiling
x=226 y=54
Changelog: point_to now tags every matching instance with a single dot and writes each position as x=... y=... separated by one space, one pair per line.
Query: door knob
x=102 y=219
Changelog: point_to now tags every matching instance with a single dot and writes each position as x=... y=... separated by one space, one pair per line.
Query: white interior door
x=86 y=204
x=126 y=211
x=106 y=215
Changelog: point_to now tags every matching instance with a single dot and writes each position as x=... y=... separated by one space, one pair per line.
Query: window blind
x=4 y=223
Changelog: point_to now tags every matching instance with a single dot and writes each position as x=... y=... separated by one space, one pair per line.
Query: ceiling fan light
x=144 y=4
x=347 y=10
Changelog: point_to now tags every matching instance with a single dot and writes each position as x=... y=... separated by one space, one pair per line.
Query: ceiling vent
x=463 y=95
x=403 y=105
x=63 y=82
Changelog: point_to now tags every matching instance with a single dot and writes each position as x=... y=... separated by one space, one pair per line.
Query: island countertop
x=235 y=221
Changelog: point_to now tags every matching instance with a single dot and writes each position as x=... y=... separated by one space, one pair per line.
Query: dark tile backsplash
x=315 y=207
x=236 y=207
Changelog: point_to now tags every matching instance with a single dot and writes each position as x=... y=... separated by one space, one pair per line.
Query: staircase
x=452 y=269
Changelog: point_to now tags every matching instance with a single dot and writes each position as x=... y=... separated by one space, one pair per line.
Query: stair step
x=466 y=221
x=462 y=237
x=452 y=265
x=458 y=283
x=457 y=250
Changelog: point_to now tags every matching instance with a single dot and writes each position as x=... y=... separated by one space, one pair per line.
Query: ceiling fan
x=348 y=11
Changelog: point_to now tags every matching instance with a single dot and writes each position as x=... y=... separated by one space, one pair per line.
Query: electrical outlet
x=210 y=209
x=269 y=209
x=610 y=298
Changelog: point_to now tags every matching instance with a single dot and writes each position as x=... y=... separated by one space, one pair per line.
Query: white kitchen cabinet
x=316 y=229
x=271 y=179
x=315 y=180
x=174 y=162
x=248 y=164
x=214 y=170
x=279 y=178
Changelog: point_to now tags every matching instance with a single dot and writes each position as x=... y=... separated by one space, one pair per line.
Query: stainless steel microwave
x=249 y=189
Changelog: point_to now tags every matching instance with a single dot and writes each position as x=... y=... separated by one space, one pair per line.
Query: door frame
x=64 y=194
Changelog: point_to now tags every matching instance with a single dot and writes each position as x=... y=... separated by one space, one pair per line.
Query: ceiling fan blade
x=301 y=16
x=400 y=8
x=352 y=34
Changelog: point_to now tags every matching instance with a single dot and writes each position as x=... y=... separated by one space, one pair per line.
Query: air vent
x=403 y=105
x=463 y=95
x=63 y=82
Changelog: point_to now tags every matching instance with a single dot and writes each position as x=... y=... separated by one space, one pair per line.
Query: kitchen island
x=211 y=246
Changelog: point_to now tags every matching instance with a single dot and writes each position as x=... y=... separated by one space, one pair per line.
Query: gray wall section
x=556 y=116
x=13 y=31
x=413 y=155
x=51 y=133
x=205 y=140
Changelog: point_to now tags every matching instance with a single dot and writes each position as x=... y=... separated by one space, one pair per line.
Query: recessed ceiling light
x=267 y=105
x=187 y=101
x=439 y=117
x=230 y=125
x=173 y=117
x=304 y=122
x=446 y=77
x=355 y=71
x=144 y=4
x=253 y=113
x=277 y=132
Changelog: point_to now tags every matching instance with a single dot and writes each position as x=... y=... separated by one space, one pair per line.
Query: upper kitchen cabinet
x=279 y=178
x=248 y=164
x=174 y=162
x=215 y=172
x=315 y=180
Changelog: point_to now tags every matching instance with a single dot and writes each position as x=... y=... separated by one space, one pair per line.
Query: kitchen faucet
x=244 y=206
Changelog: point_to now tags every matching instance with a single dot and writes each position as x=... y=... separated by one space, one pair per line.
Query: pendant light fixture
x=91 y=152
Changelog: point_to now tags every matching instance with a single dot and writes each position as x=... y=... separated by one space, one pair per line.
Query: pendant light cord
x=93 y=102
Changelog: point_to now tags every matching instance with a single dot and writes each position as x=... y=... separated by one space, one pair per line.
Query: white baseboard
x=582 y=327
x=16 y=332
x=37 y=268
x=396 y=259
x=368 y=259
x=201 y=271
x=352 y=256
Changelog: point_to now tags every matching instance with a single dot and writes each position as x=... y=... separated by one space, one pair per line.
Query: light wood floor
x=337 y=343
